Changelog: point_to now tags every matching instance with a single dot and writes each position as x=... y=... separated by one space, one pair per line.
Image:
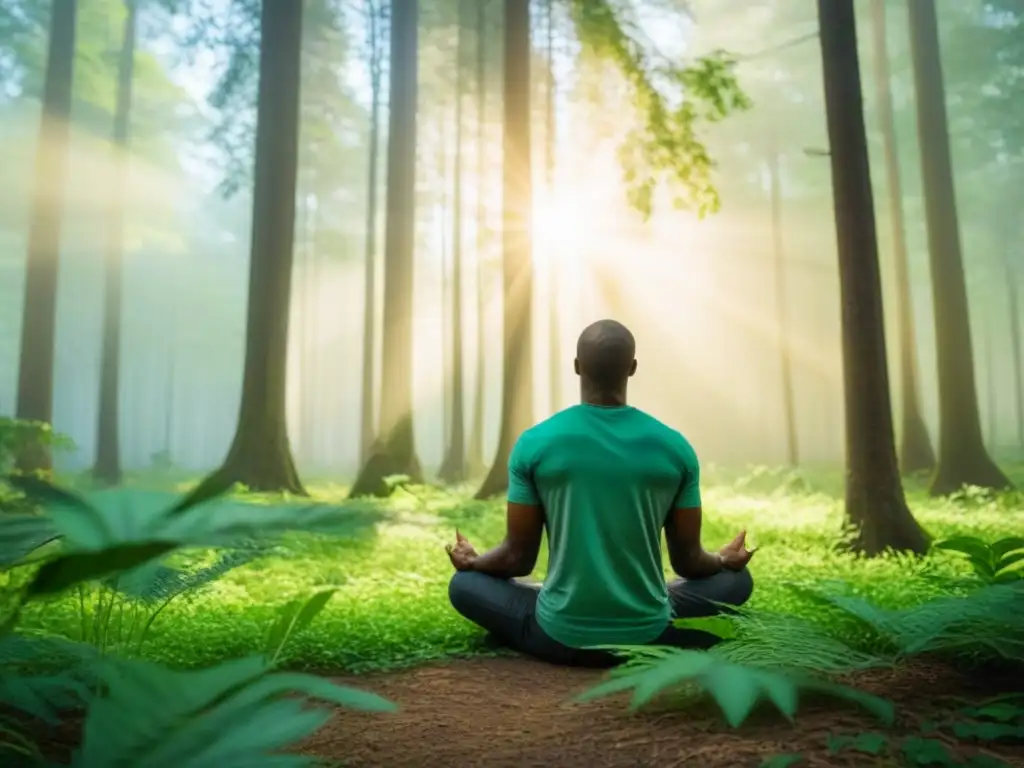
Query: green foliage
x=666 y=141
x=293 y=618
x=737 y=689
x=996 y=563
x=17 y=434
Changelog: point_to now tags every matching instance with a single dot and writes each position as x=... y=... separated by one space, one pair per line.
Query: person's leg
x=699 y=598
x=505 y=608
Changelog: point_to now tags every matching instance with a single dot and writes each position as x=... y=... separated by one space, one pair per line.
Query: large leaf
x=22 y=535
x=71 y=569
x=74 y=517
x=42 y=696
x=293 y=618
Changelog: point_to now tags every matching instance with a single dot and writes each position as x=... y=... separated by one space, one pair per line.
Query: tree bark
x=517 y=278
x=394 y=452
x=1013 y=305
x=475 y=449
x=916 y=453
x=785 y=353
x=39 y=312
x=875 y=504
x=453 y=468
x=260 y=456
x=963 y=459
x=555 y=361
x=367 y=430
x=107 y=468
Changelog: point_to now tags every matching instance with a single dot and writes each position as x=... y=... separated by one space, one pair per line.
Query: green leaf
x=212 y=487
x=986 y=761
x=866 y=743
x=720 y=626
x=1003 y=547
x=1000 y=711
x=71 y=569
x=293 y=618
x=920 y=751
x=81 y=526
x=988 y=731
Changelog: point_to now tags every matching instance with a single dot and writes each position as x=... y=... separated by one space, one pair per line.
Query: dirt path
x=505 y=712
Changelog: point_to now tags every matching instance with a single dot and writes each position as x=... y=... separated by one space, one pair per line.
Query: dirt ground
x=505 y=712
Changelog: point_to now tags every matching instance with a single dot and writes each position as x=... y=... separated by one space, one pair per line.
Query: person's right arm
x=682 y=528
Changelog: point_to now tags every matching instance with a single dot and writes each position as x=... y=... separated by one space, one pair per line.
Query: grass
x=390 y=609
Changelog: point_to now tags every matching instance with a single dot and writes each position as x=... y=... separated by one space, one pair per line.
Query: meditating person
x=604 y=479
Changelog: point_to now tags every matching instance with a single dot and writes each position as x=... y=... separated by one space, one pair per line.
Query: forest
x=283 y=281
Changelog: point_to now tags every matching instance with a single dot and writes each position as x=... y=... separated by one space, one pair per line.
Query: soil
x=510 y=712
x=505 y=712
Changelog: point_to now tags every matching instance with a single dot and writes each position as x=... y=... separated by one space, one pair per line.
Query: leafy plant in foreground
x=292 y=619
x=997 y=563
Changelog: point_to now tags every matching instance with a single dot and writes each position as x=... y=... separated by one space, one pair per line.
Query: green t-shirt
x=607 y=477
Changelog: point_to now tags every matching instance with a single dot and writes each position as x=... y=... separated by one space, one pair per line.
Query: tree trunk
x=367 y=431
x=39 y=313
x=555 y=361
x=394 y=452
x=453 y=468
x=107 y=468
x=260 y=456
x=963 y=459
x=517 y=377
x=875 y=504
x=916 y=452
x=991 y=383
x=785 y=353
x=446 y=330
x=475 y=449
x=1013 y=304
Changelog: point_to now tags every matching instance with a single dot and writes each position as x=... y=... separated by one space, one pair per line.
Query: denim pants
x=506 y=609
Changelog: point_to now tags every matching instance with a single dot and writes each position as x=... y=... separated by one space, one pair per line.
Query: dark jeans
x=506 y=608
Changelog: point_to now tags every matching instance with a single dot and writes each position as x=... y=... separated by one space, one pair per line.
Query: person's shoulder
x=675 y=439
x=549 y=427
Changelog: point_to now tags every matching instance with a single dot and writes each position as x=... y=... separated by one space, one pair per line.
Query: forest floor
x=516 y=713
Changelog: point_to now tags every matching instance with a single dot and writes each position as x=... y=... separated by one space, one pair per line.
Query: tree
x=260 y=456
x=555 y=361
x=394 y=452
x=453 y=468
x=963 y=459
x=107 y=468
x=517 y=268
x=39 y=313
x=916 y=452
x=875 y=503
x=375 y=17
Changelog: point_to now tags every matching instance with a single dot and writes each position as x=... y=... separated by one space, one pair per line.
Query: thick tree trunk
x=1013 y=305
x=991 y=383
x=107 y=468
x=785 y=352
x=394 y=452
x=39 y=312
x=367 y=430
x=453 y=468
x=260 y=456
x=875 y=503
x=963 y=459
x=475 y=449
x=446 y=328
x=916 y=452
x=555 y=361
x=517 y=378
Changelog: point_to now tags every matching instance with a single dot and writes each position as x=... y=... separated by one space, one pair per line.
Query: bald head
x=606 y=356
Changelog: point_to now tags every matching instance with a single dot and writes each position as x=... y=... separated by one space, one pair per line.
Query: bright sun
x=557 y=231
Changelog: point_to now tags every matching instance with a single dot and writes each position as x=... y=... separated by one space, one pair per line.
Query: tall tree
x=875 y=503
x=375 y=17
x=394 y=452
x=108 y=445
x=555 y=361
x=916 y=452
x=1013 y=308
x=453 y=468
x=785 y=352
x=963 y=459
x=39 y=312
x=260 y=455
x=475 y=448
x=517 y=267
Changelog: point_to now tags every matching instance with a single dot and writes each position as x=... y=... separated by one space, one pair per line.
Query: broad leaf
x=293 y=618
x=71 y=569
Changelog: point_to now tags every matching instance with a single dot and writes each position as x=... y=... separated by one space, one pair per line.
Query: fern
x=735 y=688
x=996 y=563
x=229 y=715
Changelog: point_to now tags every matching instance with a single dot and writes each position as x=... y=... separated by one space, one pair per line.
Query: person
x=604 y=479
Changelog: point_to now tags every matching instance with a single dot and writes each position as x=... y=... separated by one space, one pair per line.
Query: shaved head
x=606 y=355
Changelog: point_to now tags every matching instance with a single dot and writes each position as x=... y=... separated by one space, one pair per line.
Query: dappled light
x=399 y=354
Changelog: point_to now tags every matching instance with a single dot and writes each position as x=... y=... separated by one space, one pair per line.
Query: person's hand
x=462 y=554
x=735 y=554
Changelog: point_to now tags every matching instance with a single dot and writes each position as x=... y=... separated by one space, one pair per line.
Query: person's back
x=607 y=477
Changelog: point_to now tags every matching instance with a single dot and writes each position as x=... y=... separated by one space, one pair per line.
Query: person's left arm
x=517 y=554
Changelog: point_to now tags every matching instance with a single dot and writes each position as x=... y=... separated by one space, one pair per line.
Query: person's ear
x=576 y=365
x=632 y=368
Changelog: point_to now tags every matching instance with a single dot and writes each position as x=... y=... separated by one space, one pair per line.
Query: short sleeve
x=688 y=496
x=521 y=488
